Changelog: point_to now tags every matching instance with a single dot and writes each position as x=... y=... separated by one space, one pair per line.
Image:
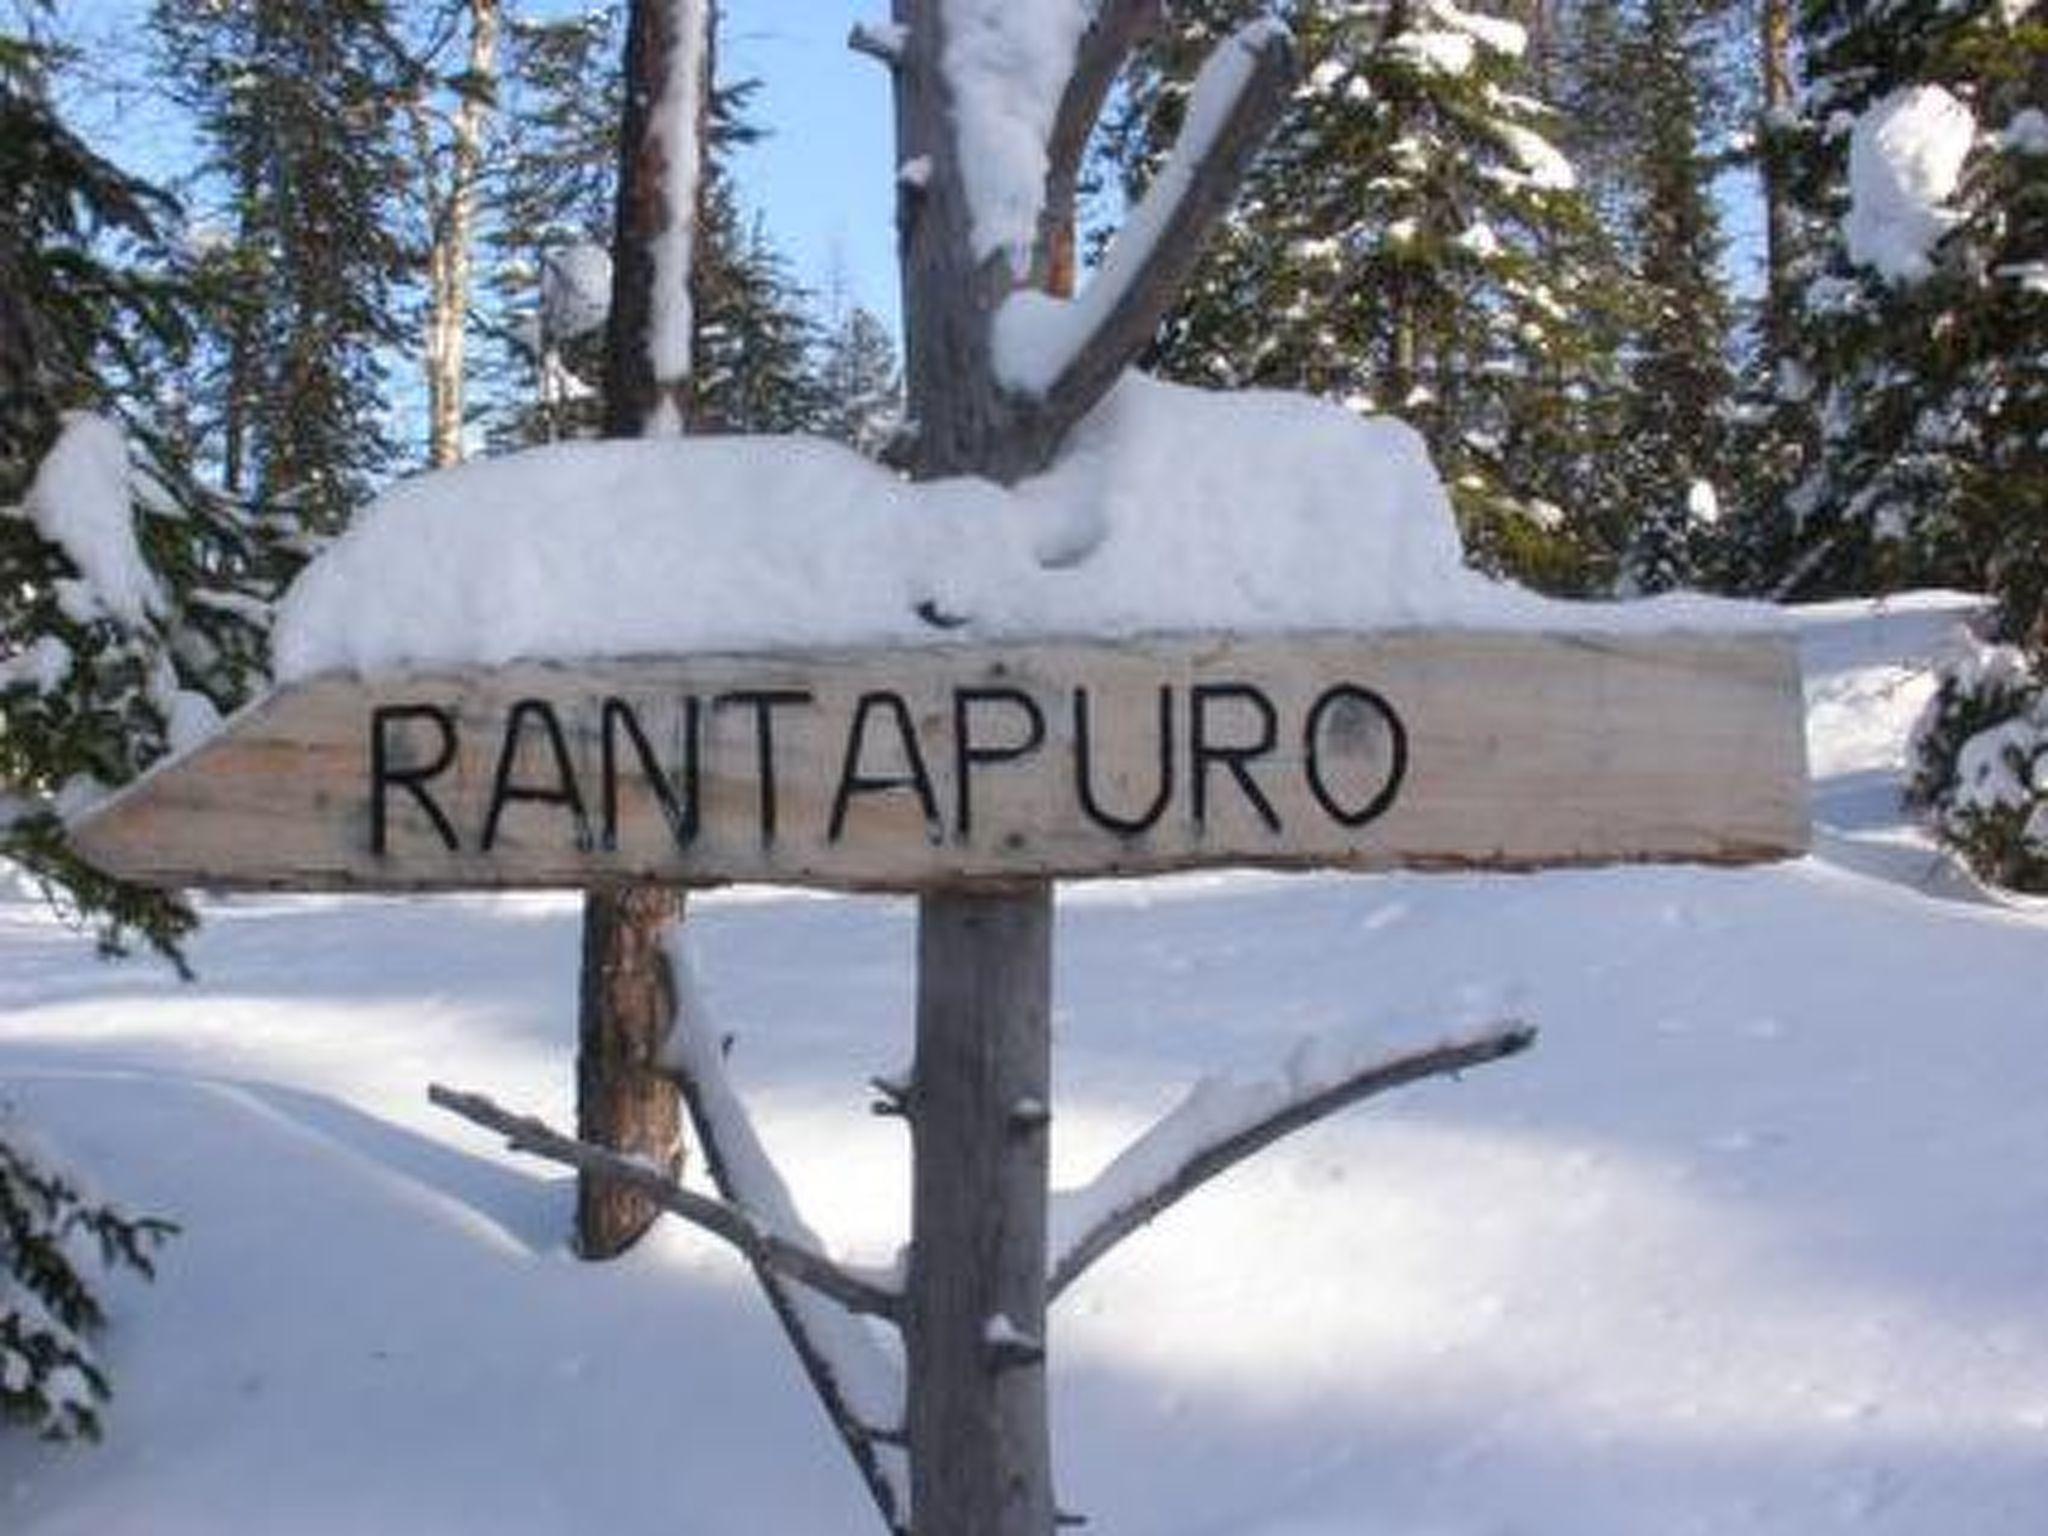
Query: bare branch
x=1119 y=26
x=792 y=1261
x=1077 y=351
x=1186 y=1169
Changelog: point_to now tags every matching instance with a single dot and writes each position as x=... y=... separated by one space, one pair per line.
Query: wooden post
x=980 y=1448
x=974 y=1324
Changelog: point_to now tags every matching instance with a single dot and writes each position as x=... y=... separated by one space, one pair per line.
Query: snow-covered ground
x=1755 y=1241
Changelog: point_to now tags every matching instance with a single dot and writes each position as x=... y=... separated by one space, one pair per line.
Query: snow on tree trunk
x=628 y=991
x=668 y=70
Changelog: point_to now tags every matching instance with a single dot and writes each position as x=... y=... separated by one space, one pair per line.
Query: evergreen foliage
x=550 y=193
x=93 y=673
x=1980 y=764
x=1926 y=451
x=860 y=385
x=755 y=335
x=1680 y=381
x=50 y=1379
x=297 y=106
x=132 y=603
x=1414 y=243
x=755 y=368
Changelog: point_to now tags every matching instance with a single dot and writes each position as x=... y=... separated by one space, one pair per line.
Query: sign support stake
x=980 y=1453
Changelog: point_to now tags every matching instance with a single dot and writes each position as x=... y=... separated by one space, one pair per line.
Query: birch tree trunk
x=450 y=258
x=627 y=997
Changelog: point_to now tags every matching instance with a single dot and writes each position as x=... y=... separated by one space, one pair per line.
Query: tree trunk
x=628 y=998
x=628 y=995
x=1774 y=27
x=454 y=223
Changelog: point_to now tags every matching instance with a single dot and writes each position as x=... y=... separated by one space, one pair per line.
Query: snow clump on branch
x=1905 y=162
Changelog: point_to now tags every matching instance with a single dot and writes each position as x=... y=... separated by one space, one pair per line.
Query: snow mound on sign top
x=1170 y=509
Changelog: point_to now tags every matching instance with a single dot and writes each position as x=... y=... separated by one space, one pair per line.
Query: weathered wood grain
x=928 y=767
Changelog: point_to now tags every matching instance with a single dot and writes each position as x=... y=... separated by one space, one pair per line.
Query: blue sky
x=824 y=175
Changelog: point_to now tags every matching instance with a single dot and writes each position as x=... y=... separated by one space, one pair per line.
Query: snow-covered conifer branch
x=1064 y=356
x=762 y=1247
x=1220 y=1124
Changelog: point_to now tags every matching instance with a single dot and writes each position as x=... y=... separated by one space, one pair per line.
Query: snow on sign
x=923 y=766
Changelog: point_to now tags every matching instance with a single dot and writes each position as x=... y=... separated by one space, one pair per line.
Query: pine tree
x=1681 y=383
x=548 y=224
x=859 y=383
x=297 y=109
x=130 y=614
x=1927 y=392
x=133 y=604
x=1413 y=242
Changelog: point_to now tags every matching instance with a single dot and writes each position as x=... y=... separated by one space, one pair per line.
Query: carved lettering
x=412 y=777
x=680 y=811
x=1204 y=751
x=853 y=782
x=968 y=753
x=564 y=791
x=1084 y=769
x=764 y=703
x=1160 y=765
x=1363 y=724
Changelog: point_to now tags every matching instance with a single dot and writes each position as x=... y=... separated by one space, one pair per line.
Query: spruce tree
x=133 y=603
x=548 y=225
x=1413 y=242
x=859 y=384
x=755 y=334
x=297 y=108
x=550 y=213
x=1681 y=385
x=1927 y=392
x=131 y=614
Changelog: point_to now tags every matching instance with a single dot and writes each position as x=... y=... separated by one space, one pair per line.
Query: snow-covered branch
x=1118 y=26
x=762 y=1247
x=879 y=40
x=1221 y=1123
x=1066 y=355
x=860 y=1387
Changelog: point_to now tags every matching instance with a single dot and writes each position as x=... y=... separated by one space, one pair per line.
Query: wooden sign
x=920 y=767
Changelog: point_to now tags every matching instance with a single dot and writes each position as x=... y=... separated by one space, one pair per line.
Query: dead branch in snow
x=770 y=1250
